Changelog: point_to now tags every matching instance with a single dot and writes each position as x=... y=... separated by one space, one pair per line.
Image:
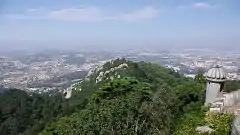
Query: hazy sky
x=120 y=22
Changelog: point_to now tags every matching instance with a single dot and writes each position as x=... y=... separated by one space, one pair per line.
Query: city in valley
x=53 y=71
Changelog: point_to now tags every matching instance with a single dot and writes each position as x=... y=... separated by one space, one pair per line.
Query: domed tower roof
x=216 y=74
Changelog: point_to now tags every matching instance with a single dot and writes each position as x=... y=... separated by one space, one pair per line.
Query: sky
x=120 y=23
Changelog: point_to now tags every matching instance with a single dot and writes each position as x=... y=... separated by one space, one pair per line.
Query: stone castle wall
x=232 y=98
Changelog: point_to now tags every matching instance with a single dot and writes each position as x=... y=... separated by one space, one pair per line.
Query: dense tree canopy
x=21 y=112
x=149 y=102
x=145 y=99
x=232 y=85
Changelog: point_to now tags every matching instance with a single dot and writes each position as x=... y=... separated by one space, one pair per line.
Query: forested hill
x=28 y=114
x=120 y=97
x=127 y=98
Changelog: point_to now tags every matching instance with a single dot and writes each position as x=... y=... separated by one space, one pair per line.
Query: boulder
x=204 y=129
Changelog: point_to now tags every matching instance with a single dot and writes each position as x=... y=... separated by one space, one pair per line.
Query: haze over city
x=122 y=24
x=119 y=67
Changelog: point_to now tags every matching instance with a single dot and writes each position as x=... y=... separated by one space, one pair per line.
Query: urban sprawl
x=49 y=72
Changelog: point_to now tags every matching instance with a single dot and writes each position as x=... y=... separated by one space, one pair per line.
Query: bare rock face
x=236 y=126
x=204 y=129
x=68 y=92
x=104 y=71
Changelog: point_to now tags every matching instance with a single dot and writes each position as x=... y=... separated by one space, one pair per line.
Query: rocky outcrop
x=102 y=72
x=236 y=126
x=110 y=73
x=204 y=129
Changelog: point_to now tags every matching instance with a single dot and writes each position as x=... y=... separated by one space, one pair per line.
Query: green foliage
x=186 y=124
x=200 y=79
x=120 y=107
x=232 y=85
x=22 y=113
x=146 y=100
x=220 y=122
x=158 y=114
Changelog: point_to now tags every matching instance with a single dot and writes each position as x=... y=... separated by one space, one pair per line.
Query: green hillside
x=118 y=98
x=138 y=98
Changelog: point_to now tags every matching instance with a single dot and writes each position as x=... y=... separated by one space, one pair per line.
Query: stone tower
x=216 y=77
